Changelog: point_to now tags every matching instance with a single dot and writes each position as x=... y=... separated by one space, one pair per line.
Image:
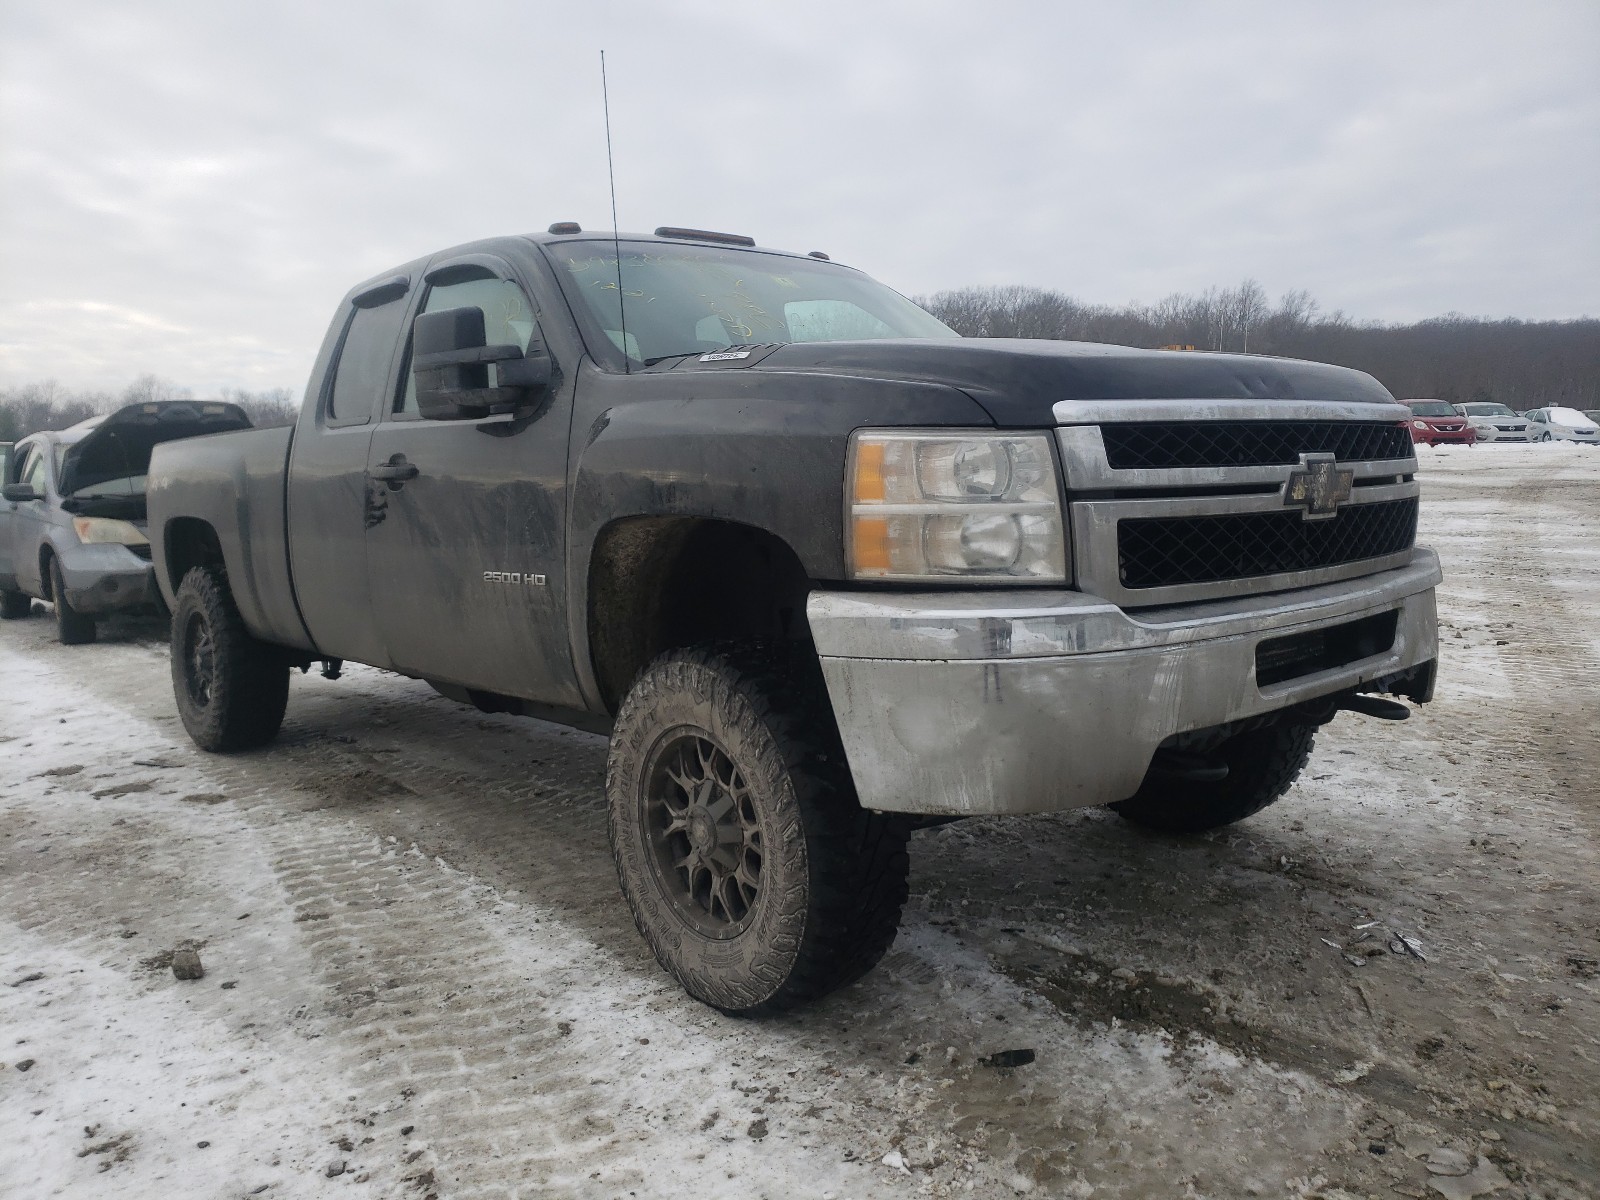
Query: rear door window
x=365 y=354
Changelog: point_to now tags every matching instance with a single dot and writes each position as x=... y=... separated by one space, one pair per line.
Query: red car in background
x=1439 y=424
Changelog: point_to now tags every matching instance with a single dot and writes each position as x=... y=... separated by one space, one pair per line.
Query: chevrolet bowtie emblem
x=1319 y=486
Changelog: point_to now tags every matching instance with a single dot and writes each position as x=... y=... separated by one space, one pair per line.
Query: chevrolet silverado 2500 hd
x=821 y=568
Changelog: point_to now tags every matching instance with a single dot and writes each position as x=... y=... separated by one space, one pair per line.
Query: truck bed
x=229 y=490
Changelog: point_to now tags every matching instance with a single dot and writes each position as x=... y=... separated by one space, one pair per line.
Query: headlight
x=93 y=531
x=969 y=506
x=1420 y=424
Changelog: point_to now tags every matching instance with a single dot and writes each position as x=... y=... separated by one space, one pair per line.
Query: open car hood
x=118 y=448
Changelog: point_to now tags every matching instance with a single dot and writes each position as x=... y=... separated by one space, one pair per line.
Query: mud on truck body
x=823 y=570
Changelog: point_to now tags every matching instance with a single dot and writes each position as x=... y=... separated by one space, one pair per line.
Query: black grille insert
x=1159 y=444
x=1168 y=551
x=1279 y=659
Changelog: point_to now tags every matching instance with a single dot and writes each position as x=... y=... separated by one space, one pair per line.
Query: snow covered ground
x=420 y=980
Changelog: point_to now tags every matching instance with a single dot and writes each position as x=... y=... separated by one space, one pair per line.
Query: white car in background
x=1562 y=425
x=1496 y=422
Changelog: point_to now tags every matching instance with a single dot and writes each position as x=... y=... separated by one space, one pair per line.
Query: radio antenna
x=616 y=243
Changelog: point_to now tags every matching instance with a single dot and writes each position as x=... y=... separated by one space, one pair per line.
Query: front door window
x=508 y=319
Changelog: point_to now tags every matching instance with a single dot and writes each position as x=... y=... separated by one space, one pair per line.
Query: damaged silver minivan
x=72 y=521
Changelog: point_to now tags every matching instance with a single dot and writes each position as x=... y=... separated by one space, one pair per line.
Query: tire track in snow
x=504 y=1109
x=1532 y=569
x=525 y=1059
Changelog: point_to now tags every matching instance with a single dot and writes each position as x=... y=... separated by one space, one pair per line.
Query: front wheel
x=73 y=628
x=231 y=689
x=1262 y=763
x=752 y=871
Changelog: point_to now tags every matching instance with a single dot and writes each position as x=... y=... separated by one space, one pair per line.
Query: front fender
x=763 y=450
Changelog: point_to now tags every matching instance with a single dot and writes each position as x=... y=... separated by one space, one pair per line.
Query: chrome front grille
x=1173 y=501
x=1249 y=443
x=1157 y=552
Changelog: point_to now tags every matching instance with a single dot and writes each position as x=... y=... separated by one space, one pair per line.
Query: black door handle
x=396 y=470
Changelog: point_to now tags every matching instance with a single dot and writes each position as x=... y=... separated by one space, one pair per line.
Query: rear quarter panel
x=234 y=484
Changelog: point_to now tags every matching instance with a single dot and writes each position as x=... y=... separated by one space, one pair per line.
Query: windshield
x=692 y=299
x=1431 y=408
x=1487 y=410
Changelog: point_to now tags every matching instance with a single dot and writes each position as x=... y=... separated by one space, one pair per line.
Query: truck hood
x=115 y=451
x=1018 y=381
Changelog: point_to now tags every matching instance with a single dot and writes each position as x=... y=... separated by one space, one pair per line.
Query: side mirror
x=451 y=366
x=20 y=492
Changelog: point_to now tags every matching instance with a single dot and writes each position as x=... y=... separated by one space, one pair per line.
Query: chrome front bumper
x=961 y=703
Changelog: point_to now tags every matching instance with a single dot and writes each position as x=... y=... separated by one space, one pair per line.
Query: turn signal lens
x=869 y=473
x=937 y=505
x=871 y=540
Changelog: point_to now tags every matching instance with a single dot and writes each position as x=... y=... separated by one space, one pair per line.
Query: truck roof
x=669 y=235
x=707 y=238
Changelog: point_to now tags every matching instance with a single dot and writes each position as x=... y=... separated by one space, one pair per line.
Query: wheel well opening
x=660 y=583
x=46 y=584
x=190 y=542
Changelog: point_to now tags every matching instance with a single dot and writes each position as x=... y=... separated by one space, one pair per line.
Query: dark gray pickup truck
x=823 y=569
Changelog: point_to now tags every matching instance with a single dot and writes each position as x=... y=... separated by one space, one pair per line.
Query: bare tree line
x=1525 y=364
x=30 y=407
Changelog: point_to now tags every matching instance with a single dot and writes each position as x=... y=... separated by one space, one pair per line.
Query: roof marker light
x=566 y=227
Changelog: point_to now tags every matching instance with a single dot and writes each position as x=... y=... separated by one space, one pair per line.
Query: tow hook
x=1376 y=706
x=332 y=668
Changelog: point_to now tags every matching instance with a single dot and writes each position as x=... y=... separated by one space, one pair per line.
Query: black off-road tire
x=73 y=628
x=1262 y=763
x=822 y=904
x=15 y=605
x=231 y=689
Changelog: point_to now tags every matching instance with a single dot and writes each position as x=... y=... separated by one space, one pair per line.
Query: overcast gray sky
x=188 y=187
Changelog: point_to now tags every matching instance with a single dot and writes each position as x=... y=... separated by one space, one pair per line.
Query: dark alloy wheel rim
x=199 y=660
x=703 y=833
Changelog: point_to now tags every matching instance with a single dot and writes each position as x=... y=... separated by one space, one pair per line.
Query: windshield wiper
x=661 y=358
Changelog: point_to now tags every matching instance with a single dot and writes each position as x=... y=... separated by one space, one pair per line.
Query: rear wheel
x=73 y=628
x=752 y=871
x=15 y=605
x=231 y=689
x=1262 y=763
